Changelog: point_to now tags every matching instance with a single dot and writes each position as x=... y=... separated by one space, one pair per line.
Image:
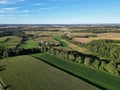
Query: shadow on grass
x=2 y=68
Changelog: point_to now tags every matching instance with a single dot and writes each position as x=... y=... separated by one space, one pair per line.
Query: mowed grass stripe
x=93 y=76
x=28 y=73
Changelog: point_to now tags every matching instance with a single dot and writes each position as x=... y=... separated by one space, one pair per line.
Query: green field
x=99 y=78
x=29 y=44
x=62 y=42
x=10 y=41
x=28 y=73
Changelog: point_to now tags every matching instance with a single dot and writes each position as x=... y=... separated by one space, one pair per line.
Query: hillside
x=28 y=73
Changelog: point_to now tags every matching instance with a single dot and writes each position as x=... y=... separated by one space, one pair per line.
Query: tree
x=79 y=60
x=96 y=64
x=87 y=61
x=5 y=54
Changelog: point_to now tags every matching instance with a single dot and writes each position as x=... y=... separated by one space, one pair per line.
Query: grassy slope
x=62 y=42
x=77 y=48
x=29 y=44
x=94 y=76
x=10 y=41
x=28 y=73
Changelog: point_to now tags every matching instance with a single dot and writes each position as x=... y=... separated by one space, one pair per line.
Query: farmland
x=28 y=73
x=10 y=42
x=29 y=44
x=61 y=41
x=86 y=73
x=82 y=37
x=60 y=57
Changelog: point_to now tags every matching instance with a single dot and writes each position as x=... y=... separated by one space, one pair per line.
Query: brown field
x=112 y=36
x=79 y=34
x=39 y=33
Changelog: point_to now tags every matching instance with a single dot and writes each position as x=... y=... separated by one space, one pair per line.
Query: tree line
x=72 y=56
x=106 y=48
x=85 y=59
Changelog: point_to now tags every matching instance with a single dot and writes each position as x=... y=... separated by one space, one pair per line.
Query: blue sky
x=59 y=11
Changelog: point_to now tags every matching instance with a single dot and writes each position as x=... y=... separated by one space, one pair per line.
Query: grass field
x=29 y=44
x=61 y=41
x=10 y=41
x=28 y=73
x=102 y=79
x=76 y=47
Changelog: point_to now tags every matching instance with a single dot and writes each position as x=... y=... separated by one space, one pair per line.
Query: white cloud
x=10 y=9
x=48 y=8
x=25 y=11
x=10 y=1
x=3 y=1
x=37 y=4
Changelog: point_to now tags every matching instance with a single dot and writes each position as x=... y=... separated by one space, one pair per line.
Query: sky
x=59 y=11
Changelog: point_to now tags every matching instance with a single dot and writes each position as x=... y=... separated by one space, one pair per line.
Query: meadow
x=29 y=44
x=28 y=73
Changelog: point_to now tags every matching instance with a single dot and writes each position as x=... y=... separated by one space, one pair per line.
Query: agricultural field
x=60 y=57
x=29 y=44
x=28 y=73
x=48 y=39
x=61 y=41
x=45 y=33
x=88 y=37
x=76 y=47
x=9 y=41
x=98 y=78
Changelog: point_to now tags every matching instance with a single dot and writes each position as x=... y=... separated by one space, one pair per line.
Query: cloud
x=10 y=9
x=25 y=11
x=37 y=4
x=48 y=8
x=10 y=1
x=3 y=1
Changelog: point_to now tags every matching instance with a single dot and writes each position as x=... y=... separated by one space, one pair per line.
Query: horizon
x=59 y=12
